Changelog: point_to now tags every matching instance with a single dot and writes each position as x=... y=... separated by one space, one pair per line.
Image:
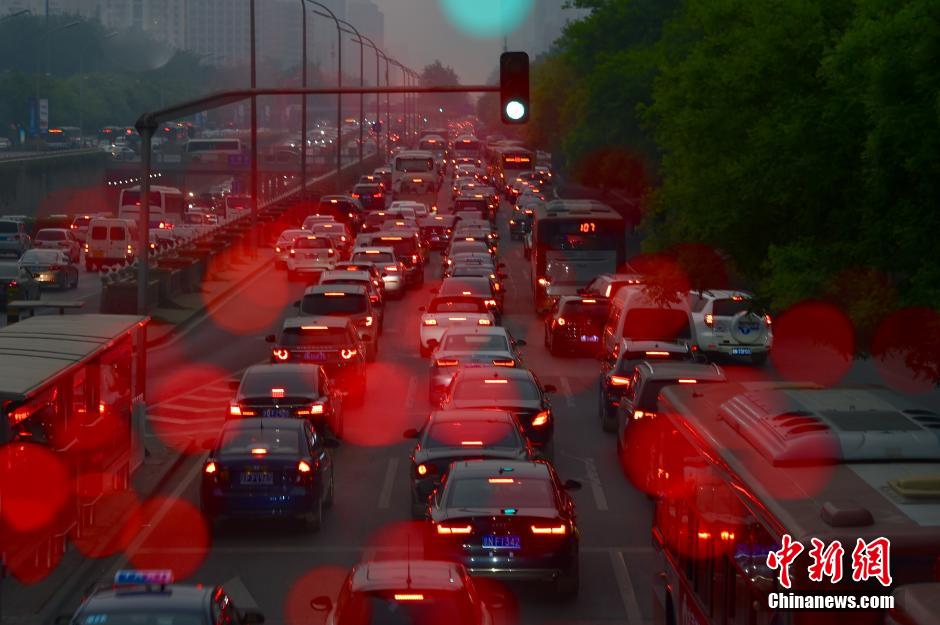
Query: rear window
x=117 y=233
x=242 y=440
x=472 y=434
x=332 y=205
x=476 y=342
x=497 y=389
x=99 y=233
x=470 y=205
x=480 y=492
x=379 y=257
x=469 y=247
x=335 y=305
x=312 y=244
x=50 y=235
x=368 y=189
x=315 y=336
x=730 y=307
x=9 y=226
x=457 y=305
x=260 y=382
x=403 y=246
x=580 y=310
x=652 y=324
x=414 y=164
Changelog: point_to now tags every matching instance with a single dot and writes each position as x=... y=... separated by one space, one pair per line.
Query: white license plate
x=257 y=478
x=740 y=351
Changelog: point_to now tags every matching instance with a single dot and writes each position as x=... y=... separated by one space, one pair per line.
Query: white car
x=58 y=239
x=310 y=255
x=283 y=244
x=316 y=219
x=725 y=325
x=386 y=262
x=417 y=209
x=50 y=268
x=450 y=311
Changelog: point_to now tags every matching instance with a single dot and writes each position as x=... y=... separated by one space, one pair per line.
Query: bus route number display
x=588 y=227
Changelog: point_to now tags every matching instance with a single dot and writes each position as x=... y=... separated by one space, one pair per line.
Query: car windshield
x=500 y=491
x=413 y=165
x=307 y=243
x=496 y=389
x=444 y=305
x=260 y=382
x=238 y=439
x=472 y=433
x=475 y=342
x=315 y=336
x=422 y=607
x=334 y=303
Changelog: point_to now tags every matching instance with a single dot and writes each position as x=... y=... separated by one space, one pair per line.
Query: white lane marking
x=136 y=544
x=566 y=389
x=625 y=586
x=385 y=497
x=412 y=390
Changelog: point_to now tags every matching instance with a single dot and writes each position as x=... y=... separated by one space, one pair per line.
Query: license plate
x=257 y=478
x=275 y=412
x=315 y=356
x=740 y=351
x=501 y=541
x=592 y=338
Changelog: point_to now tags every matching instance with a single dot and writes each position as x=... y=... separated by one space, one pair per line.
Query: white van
x=110 y=240
x=212 y=150
x=167 y=205
x=640 y=313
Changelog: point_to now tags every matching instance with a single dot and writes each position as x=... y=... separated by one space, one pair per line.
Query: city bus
x=467 y=147
x=739 y=470
x=437 y=146
x=63 y=138
x=414 y=176
x=167 y=205
x=67 y=387
x=510 y=161
x=573 y=241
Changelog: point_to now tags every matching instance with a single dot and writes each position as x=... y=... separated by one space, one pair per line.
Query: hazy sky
x=417 y=32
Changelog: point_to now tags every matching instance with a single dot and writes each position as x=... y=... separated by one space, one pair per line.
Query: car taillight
x=392 y=268
x=618 y=380
x=642 y=414
x=550 y=529
x=430 y=322
x=709 y=320
x=414 y=258
x=210 y=468
x=235 y=410
x=355 y=195
x=347 y=353
x=446 y=362
x=12 y=284
x=453 y=529
x=86 y=247
x=292 y=253
x=491 y=303
x=277 y=249
x=311 y=410
x=544 y=281
x=304 y=467
x=768 y=320
x=373 y=299
x=281 y=354
x=368 y=321
x=561 y=321
x=540 y=419
x=504 y=363
x=484 y=322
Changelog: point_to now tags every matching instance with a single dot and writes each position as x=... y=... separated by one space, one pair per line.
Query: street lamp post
x=303 y=104
x=362 y=83
x=339 y=84
x=378 y=99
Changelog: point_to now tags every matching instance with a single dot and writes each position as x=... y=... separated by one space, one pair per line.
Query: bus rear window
x=99 y=233
x=414 y=164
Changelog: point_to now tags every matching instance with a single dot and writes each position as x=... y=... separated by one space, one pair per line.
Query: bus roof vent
x=922 y=487
x=821 y=426
x=845 y=514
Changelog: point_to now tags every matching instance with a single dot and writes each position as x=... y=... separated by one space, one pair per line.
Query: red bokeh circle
x=906 y=349
x=167 y=533
x=814 y=342
x=323 y=580
x=35 y=486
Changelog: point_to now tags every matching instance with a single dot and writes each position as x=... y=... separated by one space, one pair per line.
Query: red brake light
x=409 y=597
x=430 y=322
x=768 y=320
x=281 y=354
x=657 y=354
x=556 y=529
x=304 y=467
x=484 y=322
x=347 y=353
x=259 y=451
x=453 y=529
x=210 y=468
x=235 y=411
x=446 y=362
x=618 y=380
x=392 y=268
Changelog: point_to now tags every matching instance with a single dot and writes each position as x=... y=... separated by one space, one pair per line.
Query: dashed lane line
x=385 y=497
x=625 y=586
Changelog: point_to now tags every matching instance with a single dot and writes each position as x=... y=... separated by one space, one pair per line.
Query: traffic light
x=514 y=87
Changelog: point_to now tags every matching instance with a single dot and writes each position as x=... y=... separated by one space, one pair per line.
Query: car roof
x=673 y=370
x=404 y=574
x=346 y=289
x=491 y=373
x=171 y=598
x=315 y=320
x=489 y=468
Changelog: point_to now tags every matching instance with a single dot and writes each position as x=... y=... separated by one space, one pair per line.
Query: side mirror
x=572 y=485
x=252 y=617
x=321 y=603
x=521 y=343
x=550 y=388
x=330 y=442
x=270 y=338
x=411 y=433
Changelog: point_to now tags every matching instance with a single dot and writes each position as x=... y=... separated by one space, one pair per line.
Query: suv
x=370 y=195
x=724 y=324
x=330 y=342
x=13 y=237
x=350 y=301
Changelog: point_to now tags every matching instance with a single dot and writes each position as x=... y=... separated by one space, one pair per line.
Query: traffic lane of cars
x=376 y=493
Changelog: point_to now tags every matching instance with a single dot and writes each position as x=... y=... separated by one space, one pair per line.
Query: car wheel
x=313 y=520
x=569 y=582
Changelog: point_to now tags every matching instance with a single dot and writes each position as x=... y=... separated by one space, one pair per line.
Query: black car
x=514 y=389
x=507 y=519
x=289 y=390
x=16 y=284
x=370 y=195
x=452 y=435
x=268 y=468
x=148 y=596
x=575 y=325
x=617 y=372
x=329 y=342
x=344 y=301
x=346 y=209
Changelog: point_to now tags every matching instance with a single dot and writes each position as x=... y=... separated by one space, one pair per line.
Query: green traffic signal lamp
x=514 y=87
